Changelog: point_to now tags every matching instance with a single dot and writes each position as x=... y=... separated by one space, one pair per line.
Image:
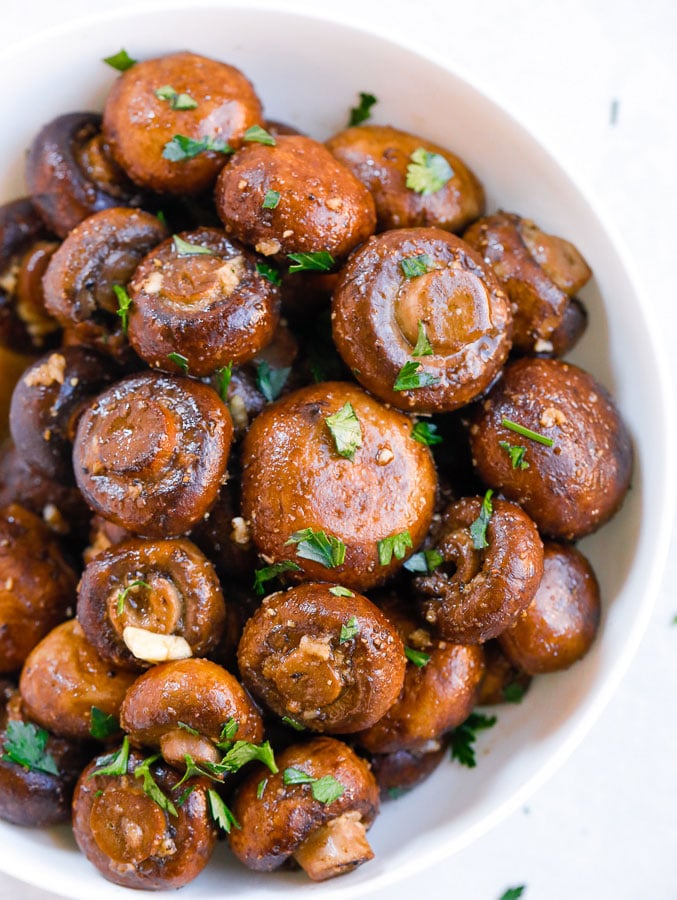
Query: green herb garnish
x=162 y=218
x=478 y=529
x=349 y=630
x=413 y=266
x=269 y=272
x=424 y=561
x=462 y=738
x=271 y=200
x=527 y=432
x=123 y=593
x=259 y=135
x=345 y=429
x=183 y=248
x=409 y=378
x=243 y=752
x=120 y=61
x=396 y=545
x=362 y=111
x=267 y=573
x=271 y=381
x=25 y=744
x=223 y=376
x=311 y=262
x=425 y=433
x=220 y=812
x=513 y=692
x=228 y=731
x=339 y=591
x=417 y=657
x=179 y=360
x=189 y=729
x=427 y=173
x=516 y=455
x=319 y=547
x=293 y=724
x=324 y=790
x=514 y=893
x=124 y=303
x=175 y=100
x=115 y=764
x=182 y=147
x=151 y=787
x=101 y=724
x=260 y=788
x=423 y=346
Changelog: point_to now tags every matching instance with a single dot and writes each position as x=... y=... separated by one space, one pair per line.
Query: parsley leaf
x=151 y=787
x=120 y=61
x=292 y=724
x=259 y=135
x=362 y=112
x=516 y=454
x=101 y=724
x=324 y=790
x=179 y=360
x=220 y=812
x=424 y=561
x=527 y=432
x=412 y=266
x=271 y=199
x=349 y=630
x=271 y=381
x=25 y=743
x=243 y=752
x=409 y=378
x=223 y=376
x=345 y=429
x=513 y=692
x=417 y=657
x=183 y=248
x=228 y=731
x=311 y=262
x=269 y=272
x=514 y=893
x=423 y=346
x=114 y=764
x=339 y=591
x=124 y=302
x=478 y=529
x=123 y=593
x=260 y=788
x=462 y=738
x=189 y=729
x=395 y=545
x=182 y=147
x=267 y=573
x=424 y=433
x=427 y=173
x=319 y=547
x=176 y=100
x=292 y=775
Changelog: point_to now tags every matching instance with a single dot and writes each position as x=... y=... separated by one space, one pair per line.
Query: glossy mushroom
x=325 y=837
x=397 y=773
x=421 y=320
x=502 y=682
x=150 y=453
x=332 y=663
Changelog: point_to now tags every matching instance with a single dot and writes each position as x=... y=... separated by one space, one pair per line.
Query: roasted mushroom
x=63 y=678
x=150 y=453
x=172 y=121
x=399 y=772
x=70 y=174
x=294 y=197
x=316 y=809
x=143 y=602
x=560 y=624
x=36 y=585
x=413 y=181
x=201 y=297
x=140 y=830
x=492 y=566
x=502 y=682
x=421 y=320
x=334 y=483
x=323 y=656
x=577 y=461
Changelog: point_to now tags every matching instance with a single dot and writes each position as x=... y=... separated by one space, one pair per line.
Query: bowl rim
x=663 y=528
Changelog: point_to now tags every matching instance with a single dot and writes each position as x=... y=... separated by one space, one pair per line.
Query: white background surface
x=606 y=825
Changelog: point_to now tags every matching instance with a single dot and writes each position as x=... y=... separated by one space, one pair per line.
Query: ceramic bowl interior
x=308 y=72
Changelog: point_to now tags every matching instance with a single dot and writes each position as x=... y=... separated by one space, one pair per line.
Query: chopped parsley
x=527 y=432
x=182 y=147
x=462 y=738
x=175 y=100
x=183 y=248
x=345 y=429
x=513 y=692
x=513 y=893
x=425 y=433
x=271 y=200
x=396 y=545
x=427 y=173
x=311 y=262
x=362 y=111
x=259 y=135
x=25 y=744
x=115 y=764
x=179 y=360
x=189 y=729
x=478 y=529
x=269 y=272
x=120 y=61
x=151 y=787
x=423 y=346
x=319 y=547
x=260 y=788
x=424 y=561
x=394 y=793
x=293 y=724
x=516 y=454
x=101 y=724
x=123 y=593
x=409 y=378
x=243 y=752
x=162 y=218
x=223 y=376
x=271 y=381
x=324 y=790
x=417 y=657
x=228 y=731
x=339 y=591
x=349 y=630
x=220 y=812
x=413 y=266
x=267 y=573
x=124 y=303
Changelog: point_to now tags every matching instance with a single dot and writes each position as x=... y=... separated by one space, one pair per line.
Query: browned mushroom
x=492 y=566
x=201 y=296
x=414 y=182
x=331 y=662
x=316 y=809
x=560 y=624
x=150 y=453
x=47 y=402
x=570 y=330
x=293 y=197
x=502 y=682
x=399 y=772
x=36 y=585
x=573 y=474
x=334 y=483
x=178 y=146
x=137 y=826
x=539 y=272
x=183 y=709
x=143 y=602
x=225 y=537
x=421 y=320
x=63 y=678
x=70 y=174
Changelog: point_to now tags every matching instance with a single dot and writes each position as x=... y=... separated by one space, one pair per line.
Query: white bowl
x=308 y=72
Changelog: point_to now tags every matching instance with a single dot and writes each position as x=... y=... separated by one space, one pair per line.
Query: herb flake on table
x=527 y=432
x=271 y=381
x=462 y=738
x=513 y=893
x=319 y=547
x=267 y=573
x=345 y=429
x=428 y=172
x=174 y=98
x=182 y=147
x=321 y=261
x=395 y=545
x=409 y=378
x=478 y=529
x=26 y=745
x=120 y=61
x=362 y=111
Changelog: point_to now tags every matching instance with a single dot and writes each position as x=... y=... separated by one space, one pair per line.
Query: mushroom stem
x=334 y=849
